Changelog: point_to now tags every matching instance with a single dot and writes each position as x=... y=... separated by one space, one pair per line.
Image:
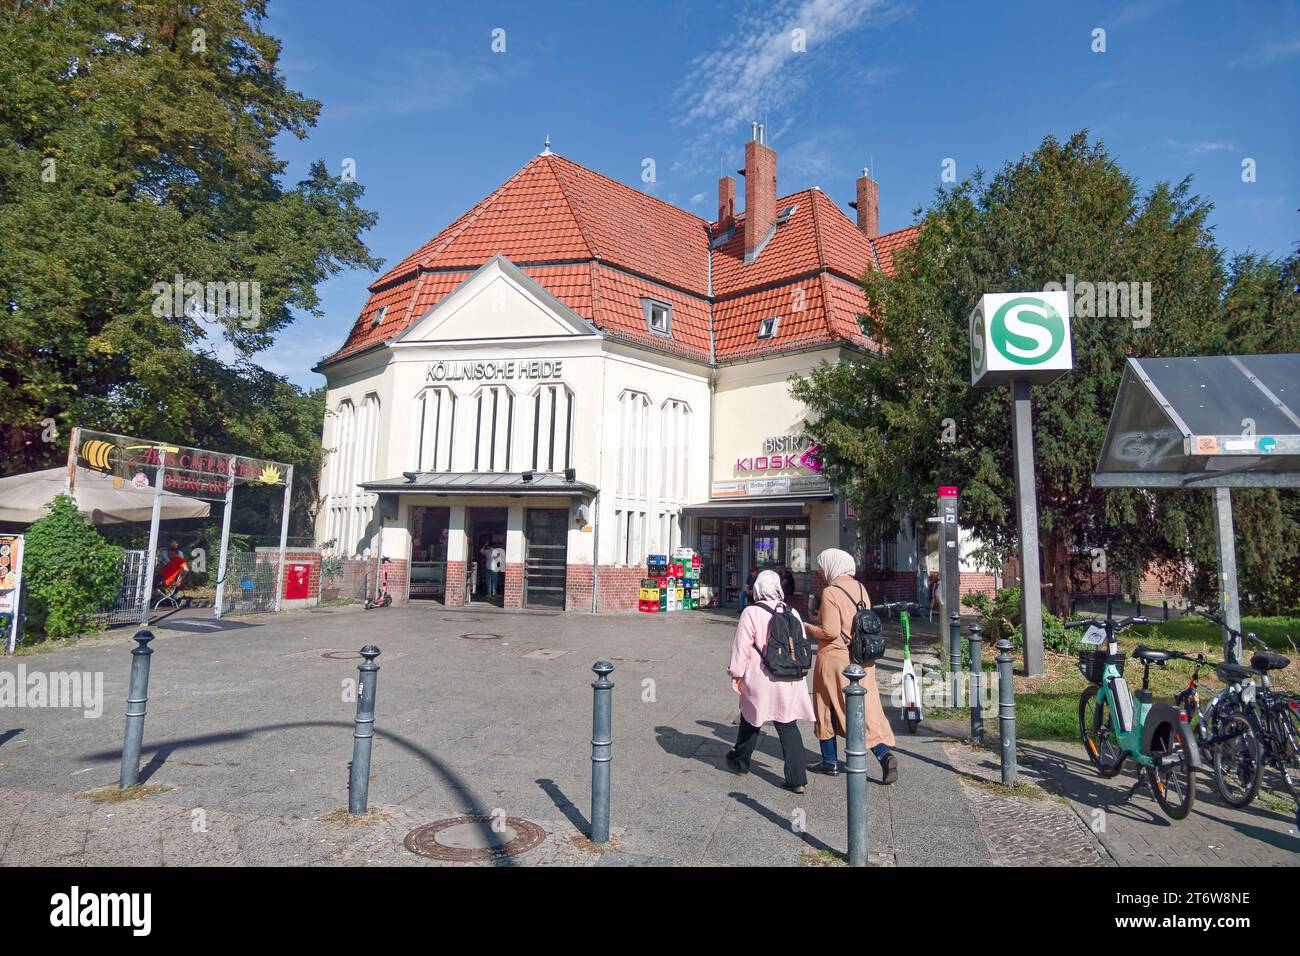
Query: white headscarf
x=834 y=563
x=767 y=587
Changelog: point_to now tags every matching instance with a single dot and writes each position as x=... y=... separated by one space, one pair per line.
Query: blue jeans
x=493 y=582
x=829 y=754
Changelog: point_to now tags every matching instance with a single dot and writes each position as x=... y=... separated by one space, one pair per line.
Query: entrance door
x=546 y=540
x=486 y=529
x=429 y=553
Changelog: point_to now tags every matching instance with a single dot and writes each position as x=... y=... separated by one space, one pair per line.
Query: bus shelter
x=1217 y=422
x=159 y=468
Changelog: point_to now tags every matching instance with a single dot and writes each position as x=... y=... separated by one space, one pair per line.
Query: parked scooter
x=911 y=700
x=384 y=599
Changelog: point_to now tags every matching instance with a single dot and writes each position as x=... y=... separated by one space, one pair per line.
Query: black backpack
x=865 y=641
x=789 y=652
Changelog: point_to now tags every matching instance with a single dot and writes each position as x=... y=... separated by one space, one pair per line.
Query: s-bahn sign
x=1021 y=336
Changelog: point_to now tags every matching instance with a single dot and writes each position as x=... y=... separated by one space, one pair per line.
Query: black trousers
x=796 y=765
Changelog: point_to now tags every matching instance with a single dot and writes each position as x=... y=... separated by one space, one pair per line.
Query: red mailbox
x=296 y=579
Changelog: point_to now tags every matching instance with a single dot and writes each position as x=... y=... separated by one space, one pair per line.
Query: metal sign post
x=284 y=536
x=220 y=603
x=1022 y=339
x=151 y=559
x=1229 y=607
x=1031 y=594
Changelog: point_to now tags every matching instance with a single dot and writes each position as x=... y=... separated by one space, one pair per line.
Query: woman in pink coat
x=782 y=700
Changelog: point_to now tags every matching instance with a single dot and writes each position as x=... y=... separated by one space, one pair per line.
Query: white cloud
x=759 y=70
x=697 y=199
x=1268 y=53
x=1203 y=146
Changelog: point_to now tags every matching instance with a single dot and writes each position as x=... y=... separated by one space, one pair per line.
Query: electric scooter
x=384 y=599
x=911 y=691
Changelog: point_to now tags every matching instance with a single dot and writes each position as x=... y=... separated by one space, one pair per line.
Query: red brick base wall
x=577 y=587
x=620 y=587
x=455 y=584
x=979 y=582
x=399 y=576
x=514 y=585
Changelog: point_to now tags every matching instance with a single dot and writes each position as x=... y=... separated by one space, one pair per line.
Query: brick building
x=580 y=374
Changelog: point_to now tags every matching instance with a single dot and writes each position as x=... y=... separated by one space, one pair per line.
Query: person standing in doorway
x=496 y=564
x=839 y=602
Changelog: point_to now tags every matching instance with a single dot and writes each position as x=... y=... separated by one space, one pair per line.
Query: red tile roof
x=601 y=247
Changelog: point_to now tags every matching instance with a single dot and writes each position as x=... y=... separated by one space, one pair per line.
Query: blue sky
x=435 y=119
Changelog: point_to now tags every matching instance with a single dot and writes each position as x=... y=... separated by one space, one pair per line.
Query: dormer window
x=379 y=316
x=767 y=327
x=658 y=317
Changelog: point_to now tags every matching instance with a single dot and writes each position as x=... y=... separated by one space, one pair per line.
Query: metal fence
x=250 y=583
x=132 y=591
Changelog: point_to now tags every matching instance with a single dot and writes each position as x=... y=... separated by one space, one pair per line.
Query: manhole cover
x=461 y=619
x=480 y=636
x=342 y=655
x=475 y=838
x=545 y=654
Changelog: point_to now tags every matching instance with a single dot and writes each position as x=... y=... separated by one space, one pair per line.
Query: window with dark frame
x=379 y=316
x=658 y=316
x=767 y=327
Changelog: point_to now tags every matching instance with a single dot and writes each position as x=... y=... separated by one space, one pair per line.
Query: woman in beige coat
x=839 y=602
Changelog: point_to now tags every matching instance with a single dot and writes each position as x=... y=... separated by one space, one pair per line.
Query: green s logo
x=1027 y=330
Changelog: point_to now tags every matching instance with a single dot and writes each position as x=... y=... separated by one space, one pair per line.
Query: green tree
x=137 y=145
x=1067 y=209
x=69 y=572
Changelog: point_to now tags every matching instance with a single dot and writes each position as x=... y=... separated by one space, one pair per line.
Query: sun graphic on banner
x=270 y=475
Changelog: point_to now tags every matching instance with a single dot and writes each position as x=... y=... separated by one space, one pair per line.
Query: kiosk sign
x=1020 y=336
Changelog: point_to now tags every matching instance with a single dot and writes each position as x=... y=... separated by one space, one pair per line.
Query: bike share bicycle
x=1116 y=726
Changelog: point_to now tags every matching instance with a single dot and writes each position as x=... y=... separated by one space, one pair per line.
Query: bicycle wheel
x=1289 y=759
x=1237 y=767
x=1172 y=779
x=1096 y=730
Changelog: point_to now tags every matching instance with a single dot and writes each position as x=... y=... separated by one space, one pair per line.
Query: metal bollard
x=602 y=748
x=137 y=697
x=1137 y=607
x=1007 y=712
x=855 y=761
x=1166 y=610
x=364 y=733
x=976 y=703
x=954 y=659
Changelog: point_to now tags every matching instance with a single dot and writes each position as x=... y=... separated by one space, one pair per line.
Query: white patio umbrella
x=23 y=498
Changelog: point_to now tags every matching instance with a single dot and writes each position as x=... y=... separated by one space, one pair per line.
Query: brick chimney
x=760 y=192
x=726 y=203
x=868 y=205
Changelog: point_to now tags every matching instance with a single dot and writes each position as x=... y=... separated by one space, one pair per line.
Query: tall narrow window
x=432 y=419
x=493 y=427
x=552 y=416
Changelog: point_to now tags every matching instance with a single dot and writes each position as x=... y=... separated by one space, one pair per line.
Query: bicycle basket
x=1092 y=664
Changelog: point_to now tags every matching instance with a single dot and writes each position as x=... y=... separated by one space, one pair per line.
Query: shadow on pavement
x=470 y=803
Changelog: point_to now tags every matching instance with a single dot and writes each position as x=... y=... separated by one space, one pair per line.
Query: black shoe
x=734 y=766
x=797 y=789
x=890 y=767
x=830 y=769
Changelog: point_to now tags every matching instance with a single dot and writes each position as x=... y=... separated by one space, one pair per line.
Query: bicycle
x=1116 y=726
x=1222 y=733
x=911 y=692
x=1274 y=716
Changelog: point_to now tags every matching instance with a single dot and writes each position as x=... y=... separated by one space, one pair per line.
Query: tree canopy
x=136 y=149
x=892 y=427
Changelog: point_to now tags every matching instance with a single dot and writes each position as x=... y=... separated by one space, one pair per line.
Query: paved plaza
x=488 y=713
